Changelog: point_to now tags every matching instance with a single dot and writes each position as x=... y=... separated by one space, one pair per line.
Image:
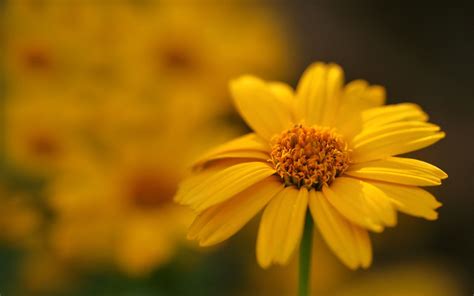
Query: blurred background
x=105 y=103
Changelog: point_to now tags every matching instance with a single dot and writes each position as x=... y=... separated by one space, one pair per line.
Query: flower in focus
x=328 y=147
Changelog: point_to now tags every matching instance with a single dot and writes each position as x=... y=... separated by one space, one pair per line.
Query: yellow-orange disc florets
x=309 y=156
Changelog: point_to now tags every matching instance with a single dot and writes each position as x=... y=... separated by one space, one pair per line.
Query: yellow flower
x=427 y=277
x=167 y=57
x=20 y=220
x=119 y=212
x=40 y=272
x=325 y=146
x=43 y=131
x=115 y=205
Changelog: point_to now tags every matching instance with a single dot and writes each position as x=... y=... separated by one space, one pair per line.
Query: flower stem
x=305 y=257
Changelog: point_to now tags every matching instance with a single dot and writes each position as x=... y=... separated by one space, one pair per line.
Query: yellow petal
x=355 y=89
x=194 y=180
x=418 y=165
x=294 y=225
x=250 y=146
x=375 y=95
x=351 y=127
x=221 y=221
x=263 y=111
x=283 y=92
x=404 y=140
x=281 y=226
x=370 y=133
x=361 y=203
x=244 y=156
x=363 y=95
x=205 y=191
x=393 y=113
x=357 y=96
x=335 y=81
x=410 y=200
x=398 y=170
x=318 y=94
x=349 y=242
x=364 y=246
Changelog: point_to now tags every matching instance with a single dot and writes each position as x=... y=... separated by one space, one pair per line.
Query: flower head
x=327 y=146
x=309 y=156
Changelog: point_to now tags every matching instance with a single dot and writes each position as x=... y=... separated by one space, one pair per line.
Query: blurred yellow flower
x=97 y=98
x=326 y=147
x=42 y=273
x=52 y=45
x=407 y=279
x=114 y=203
x=118 y=212
x=64 y=58
x=170 y=52
x=43 y=130
x=145 y=46
x=20 y=219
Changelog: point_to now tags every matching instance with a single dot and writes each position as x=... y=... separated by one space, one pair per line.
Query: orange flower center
x=309 y=156
x=37 y=59
x=44 y=145
x=147 y=190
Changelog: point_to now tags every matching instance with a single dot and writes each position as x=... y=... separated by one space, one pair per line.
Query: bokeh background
x=105 y=103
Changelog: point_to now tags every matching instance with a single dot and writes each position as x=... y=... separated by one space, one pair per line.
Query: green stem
x=305 y=257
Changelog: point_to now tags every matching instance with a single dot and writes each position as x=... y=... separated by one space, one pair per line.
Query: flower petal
x=393 y=139
x=393 y=113
x=360 y=93
x=410 y=200
x=349 y=242
x=221 y=221
x=318 y=94
x=357 y=97
x=283 y=92
x=250 y=146
x=206 y=190
x=281 y=226
x=373 y=132
x=263 y=111
x=361 y=203
x=194 y=180
x=398 y=170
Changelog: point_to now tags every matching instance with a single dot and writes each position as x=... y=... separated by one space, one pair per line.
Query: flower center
x=309 y=156
x=147 y=190
x=44 y=145
x=37 y=59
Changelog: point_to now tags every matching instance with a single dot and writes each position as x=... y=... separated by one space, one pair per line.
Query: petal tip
x=366 y=265
x=432 y=217
x=191 y=236
x=264 y=264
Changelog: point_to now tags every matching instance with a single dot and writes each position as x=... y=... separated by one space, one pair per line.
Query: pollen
x=309 y=156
